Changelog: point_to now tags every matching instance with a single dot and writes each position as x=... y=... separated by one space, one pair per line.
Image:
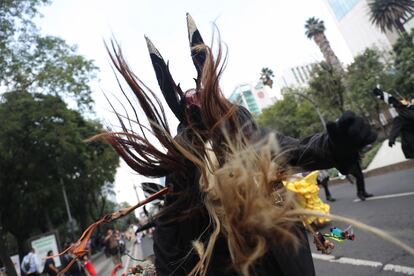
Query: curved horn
x=198 y=55
x=171 y=92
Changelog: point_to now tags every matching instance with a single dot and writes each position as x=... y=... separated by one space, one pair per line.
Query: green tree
x=266 y=76
x=327 y=89
x=41 y=139
x=367 y=70
x=391 y=14
x=404 y=66
x=291 y=116
x=315 y=29
x=34 y=63
x=41 y=146
x=15 y=19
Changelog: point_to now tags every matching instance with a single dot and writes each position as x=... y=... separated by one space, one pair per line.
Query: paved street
x=368 y=254
x=392 y=214
x=104 y=265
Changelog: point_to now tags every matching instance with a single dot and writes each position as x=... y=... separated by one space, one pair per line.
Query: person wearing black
x=50 y=267
x=77 y=268
x=201 y=111
x=403 y=124
x=356 y=171
x=323 y=180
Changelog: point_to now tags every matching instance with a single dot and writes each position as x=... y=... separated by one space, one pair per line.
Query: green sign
x=42 y=245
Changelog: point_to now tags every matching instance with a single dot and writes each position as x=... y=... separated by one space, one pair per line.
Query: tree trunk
x=49 y=223
x=269 y=82
x=328 y=53
x=21 y=246
x=400 y=27
x=5 y=258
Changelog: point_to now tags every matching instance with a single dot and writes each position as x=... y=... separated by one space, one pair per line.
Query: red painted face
x=192 y=98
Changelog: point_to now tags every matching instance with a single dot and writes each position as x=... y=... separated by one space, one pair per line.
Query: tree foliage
x=266 y=76
x=292 y=117
x=391 y=14
x=315 y=29
x=404 y=66
x=366 y=72
x=327 y=89
x=42 y=146
x=42 y=140
x=35 y=63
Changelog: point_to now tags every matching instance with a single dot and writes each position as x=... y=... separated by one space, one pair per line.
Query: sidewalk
x=386 y=160
x=387 y=156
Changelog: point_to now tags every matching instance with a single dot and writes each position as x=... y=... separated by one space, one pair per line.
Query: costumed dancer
x=206 y=227
x=403 y=124
x=356 y=171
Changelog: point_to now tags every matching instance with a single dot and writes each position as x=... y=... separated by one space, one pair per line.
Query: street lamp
x=71 y=222
x=136 y=193
x=314 y=104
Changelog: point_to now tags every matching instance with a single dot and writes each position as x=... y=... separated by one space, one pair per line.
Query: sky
x=257 y=34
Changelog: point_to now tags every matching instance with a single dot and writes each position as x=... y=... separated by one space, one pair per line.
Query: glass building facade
x=243 y=95
x=342 y=7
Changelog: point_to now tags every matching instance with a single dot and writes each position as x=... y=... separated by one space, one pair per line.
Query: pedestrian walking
x=403 y=124
x=89 y=267
x=30 y=264
x=77 y=268
x=112 y=244
x=323 y=180
x=50 y=267
x=356 y=171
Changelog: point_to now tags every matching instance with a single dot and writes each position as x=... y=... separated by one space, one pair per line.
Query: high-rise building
x=353 y=19
x=296 y=76
x=253 y=96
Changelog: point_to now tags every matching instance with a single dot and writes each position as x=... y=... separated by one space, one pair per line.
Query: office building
x=296 y=76
x=353 y=20
x=254 y=96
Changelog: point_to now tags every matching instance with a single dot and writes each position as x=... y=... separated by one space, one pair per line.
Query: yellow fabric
x=308 y=195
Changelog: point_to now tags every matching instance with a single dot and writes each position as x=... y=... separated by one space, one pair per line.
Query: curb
x=379 y=171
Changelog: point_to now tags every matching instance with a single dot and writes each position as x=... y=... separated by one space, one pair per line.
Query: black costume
x=173 y=240
x=356 y=171
x=403 y=124
x=176 y=228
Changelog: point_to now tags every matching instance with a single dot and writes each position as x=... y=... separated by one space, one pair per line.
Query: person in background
x=87 y=264
x=50 y=267
x=112 y=242
x=403 y=124
x=323 y=180
x=30 y=264
x=77 y=268
x=356 y=171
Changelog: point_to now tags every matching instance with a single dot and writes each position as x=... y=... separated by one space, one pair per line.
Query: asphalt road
x=369 y=254
x=104 y=265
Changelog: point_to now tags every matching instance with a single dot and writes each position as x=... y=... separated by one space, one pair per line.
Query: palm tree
x=390 y=14
x=266 y=76
x=315 y=29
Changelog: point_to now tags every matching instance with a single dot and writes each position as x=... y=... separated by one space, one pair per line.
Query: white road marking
x=400 y=269
x=344 y=260
x=323 y=257
x=351 y=261
x=386 y=196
